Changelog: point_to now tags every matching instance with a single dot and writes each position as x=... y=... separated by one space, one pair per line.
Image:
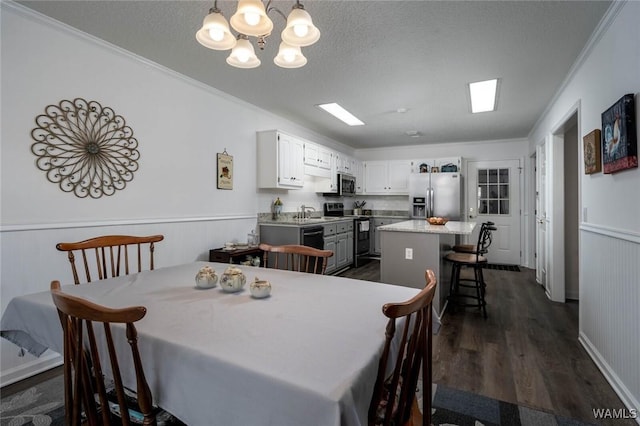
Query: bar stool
x=471 y=248
x=475 y=260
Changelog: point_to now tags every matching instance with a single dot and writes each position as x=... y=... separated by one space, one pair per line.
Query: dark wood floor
x=526 y=352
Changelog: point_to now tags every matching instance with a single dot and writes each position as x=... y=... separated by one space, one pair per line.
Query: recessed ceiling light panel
x=341 y=114
x=483 y=95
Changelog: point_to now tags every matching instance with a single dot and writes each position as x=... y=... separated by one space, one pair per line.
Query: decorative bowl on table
x=437 y=220
x=206 y=277
x=232 y=280
x=260 y=288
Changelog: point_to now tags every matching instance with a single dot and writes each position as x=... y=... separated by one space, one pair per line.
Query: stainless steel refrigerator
x=435 y=194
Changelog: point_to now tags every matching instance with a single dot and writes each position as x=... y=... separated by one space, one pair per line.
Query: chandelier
x=251 y=19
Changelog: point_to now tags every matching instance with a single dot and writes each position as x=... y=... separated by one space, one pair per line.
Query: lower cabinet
x=375 y=240
x=339 y=238
x=330 y=244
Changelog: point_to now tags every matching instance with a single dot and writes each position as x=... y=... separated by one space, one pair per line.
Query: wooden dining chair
x=294 y=257
x=108 y=256
x=394 y=393
x=85 y=389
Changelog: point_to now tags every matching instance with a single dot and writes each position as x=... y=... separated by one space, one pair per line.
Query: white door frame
x=539 y=215
x=555 y=206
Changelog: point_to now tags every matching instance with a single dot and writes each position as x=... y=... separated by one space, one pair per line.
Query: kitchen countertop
x=305 y=222
x=422 y=226
x=290 y=221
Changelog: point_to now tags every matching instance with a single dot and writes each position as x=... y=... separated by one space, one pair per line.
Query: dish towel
x=364 y=226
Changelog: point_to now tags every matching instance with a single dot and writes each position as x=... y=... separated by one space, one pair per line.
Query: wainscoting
x=610 y=306
x=30 y=261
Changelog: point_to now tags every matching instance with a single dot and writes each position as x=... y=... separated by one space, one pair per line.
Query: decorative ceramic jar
x=260 y=288
x=206 y=277
x=232 y=280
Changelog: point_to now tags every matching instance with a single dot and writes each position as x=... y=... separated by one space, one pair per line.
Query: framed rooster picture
x=619 y=138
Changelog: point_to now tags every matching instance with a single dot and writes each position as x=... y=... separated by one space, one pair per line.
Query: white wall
x=610 y=204
x=180 y=126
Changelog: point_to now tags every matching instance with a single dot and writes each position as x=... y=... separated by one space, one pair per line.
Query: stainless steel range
x=361 y=232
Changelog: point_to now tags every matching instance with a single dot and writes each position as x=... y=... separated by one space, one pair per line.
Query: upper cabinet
x=358 y=167
x=345 y=164
x=317 y=160
x=387 y=177
x=280 y=160
x=450 y=164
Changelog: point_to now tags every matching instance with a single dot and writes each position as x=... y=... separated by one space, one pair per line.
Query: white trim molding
x=67 y=225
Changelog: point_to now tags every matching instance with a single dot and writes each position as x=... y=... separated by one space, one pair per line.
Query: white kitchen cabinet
x=456 y=161
x=436 y=162
x=280 y=160
x=317 y=160
x=345 y=164
x=359 y=174
x=387 y=177
x=328 y=185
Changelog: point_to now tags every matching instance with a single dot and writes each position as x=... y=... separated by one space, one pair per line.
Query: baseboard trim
x=31 y=368
x=618 y=386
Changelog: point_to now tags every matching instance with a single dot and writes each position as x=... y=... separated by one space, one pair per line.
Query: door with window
x=493 y=194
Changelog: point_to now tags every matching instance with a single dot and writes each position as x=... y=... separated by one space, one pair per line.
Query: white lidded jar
x=232 y=280
x=260 y=288
x=206 y=277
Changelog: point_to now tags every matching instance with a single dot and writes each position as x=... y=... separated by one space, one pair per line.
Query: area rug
x=500 y=267
x=40 y=405
x=43 y=404
x=456 y=407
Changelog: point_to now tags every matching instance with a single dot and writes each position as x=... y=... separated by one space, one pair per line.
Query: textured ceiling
x=373 y=58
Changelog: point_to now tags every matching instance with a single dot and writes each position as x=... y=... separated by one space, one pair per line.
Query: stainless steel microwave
x=346 y=185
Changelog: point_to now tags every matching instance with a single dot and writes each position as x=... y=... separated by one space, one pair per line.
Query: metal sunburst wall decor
x=85 y=148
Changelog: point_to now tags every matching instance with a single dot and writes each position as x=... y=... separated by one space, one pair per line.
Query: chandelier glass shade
x=251 y=19
x=289 y=56
x=215 y=33
x=300 y=30
x=242 y=55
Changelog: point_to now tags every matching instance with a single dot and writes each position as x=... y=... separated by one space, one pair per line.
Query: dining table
x=307 y=354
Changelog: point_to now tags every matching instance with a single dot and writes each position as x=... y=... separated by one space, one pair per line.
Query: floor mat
x=514 y=268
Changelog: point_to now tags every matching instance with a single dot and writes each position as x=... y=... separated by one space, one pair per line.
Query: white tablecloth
x=306 y=355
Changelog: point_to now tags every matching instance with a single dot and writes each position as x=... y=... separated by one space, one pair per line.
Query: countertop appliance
x=346 y=185
x=435 y=194
x=361 y=232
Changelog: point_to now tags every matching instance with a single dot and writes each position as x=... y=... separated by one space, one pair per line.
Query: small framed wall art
x=225 y=171
x=591 y=152
x=619 y=139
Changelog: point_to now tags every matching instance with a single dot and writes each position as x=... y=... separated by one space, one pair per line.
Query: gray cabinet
x=338 y=237
x=375 y=239
x=330 y=244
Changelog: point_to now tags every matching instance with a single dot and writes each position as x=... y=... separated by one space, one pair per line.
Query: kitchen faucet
x=304 y=209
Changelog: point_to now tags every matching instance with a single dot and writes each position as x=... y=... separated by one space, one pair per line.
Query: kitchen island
x=410 y=247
